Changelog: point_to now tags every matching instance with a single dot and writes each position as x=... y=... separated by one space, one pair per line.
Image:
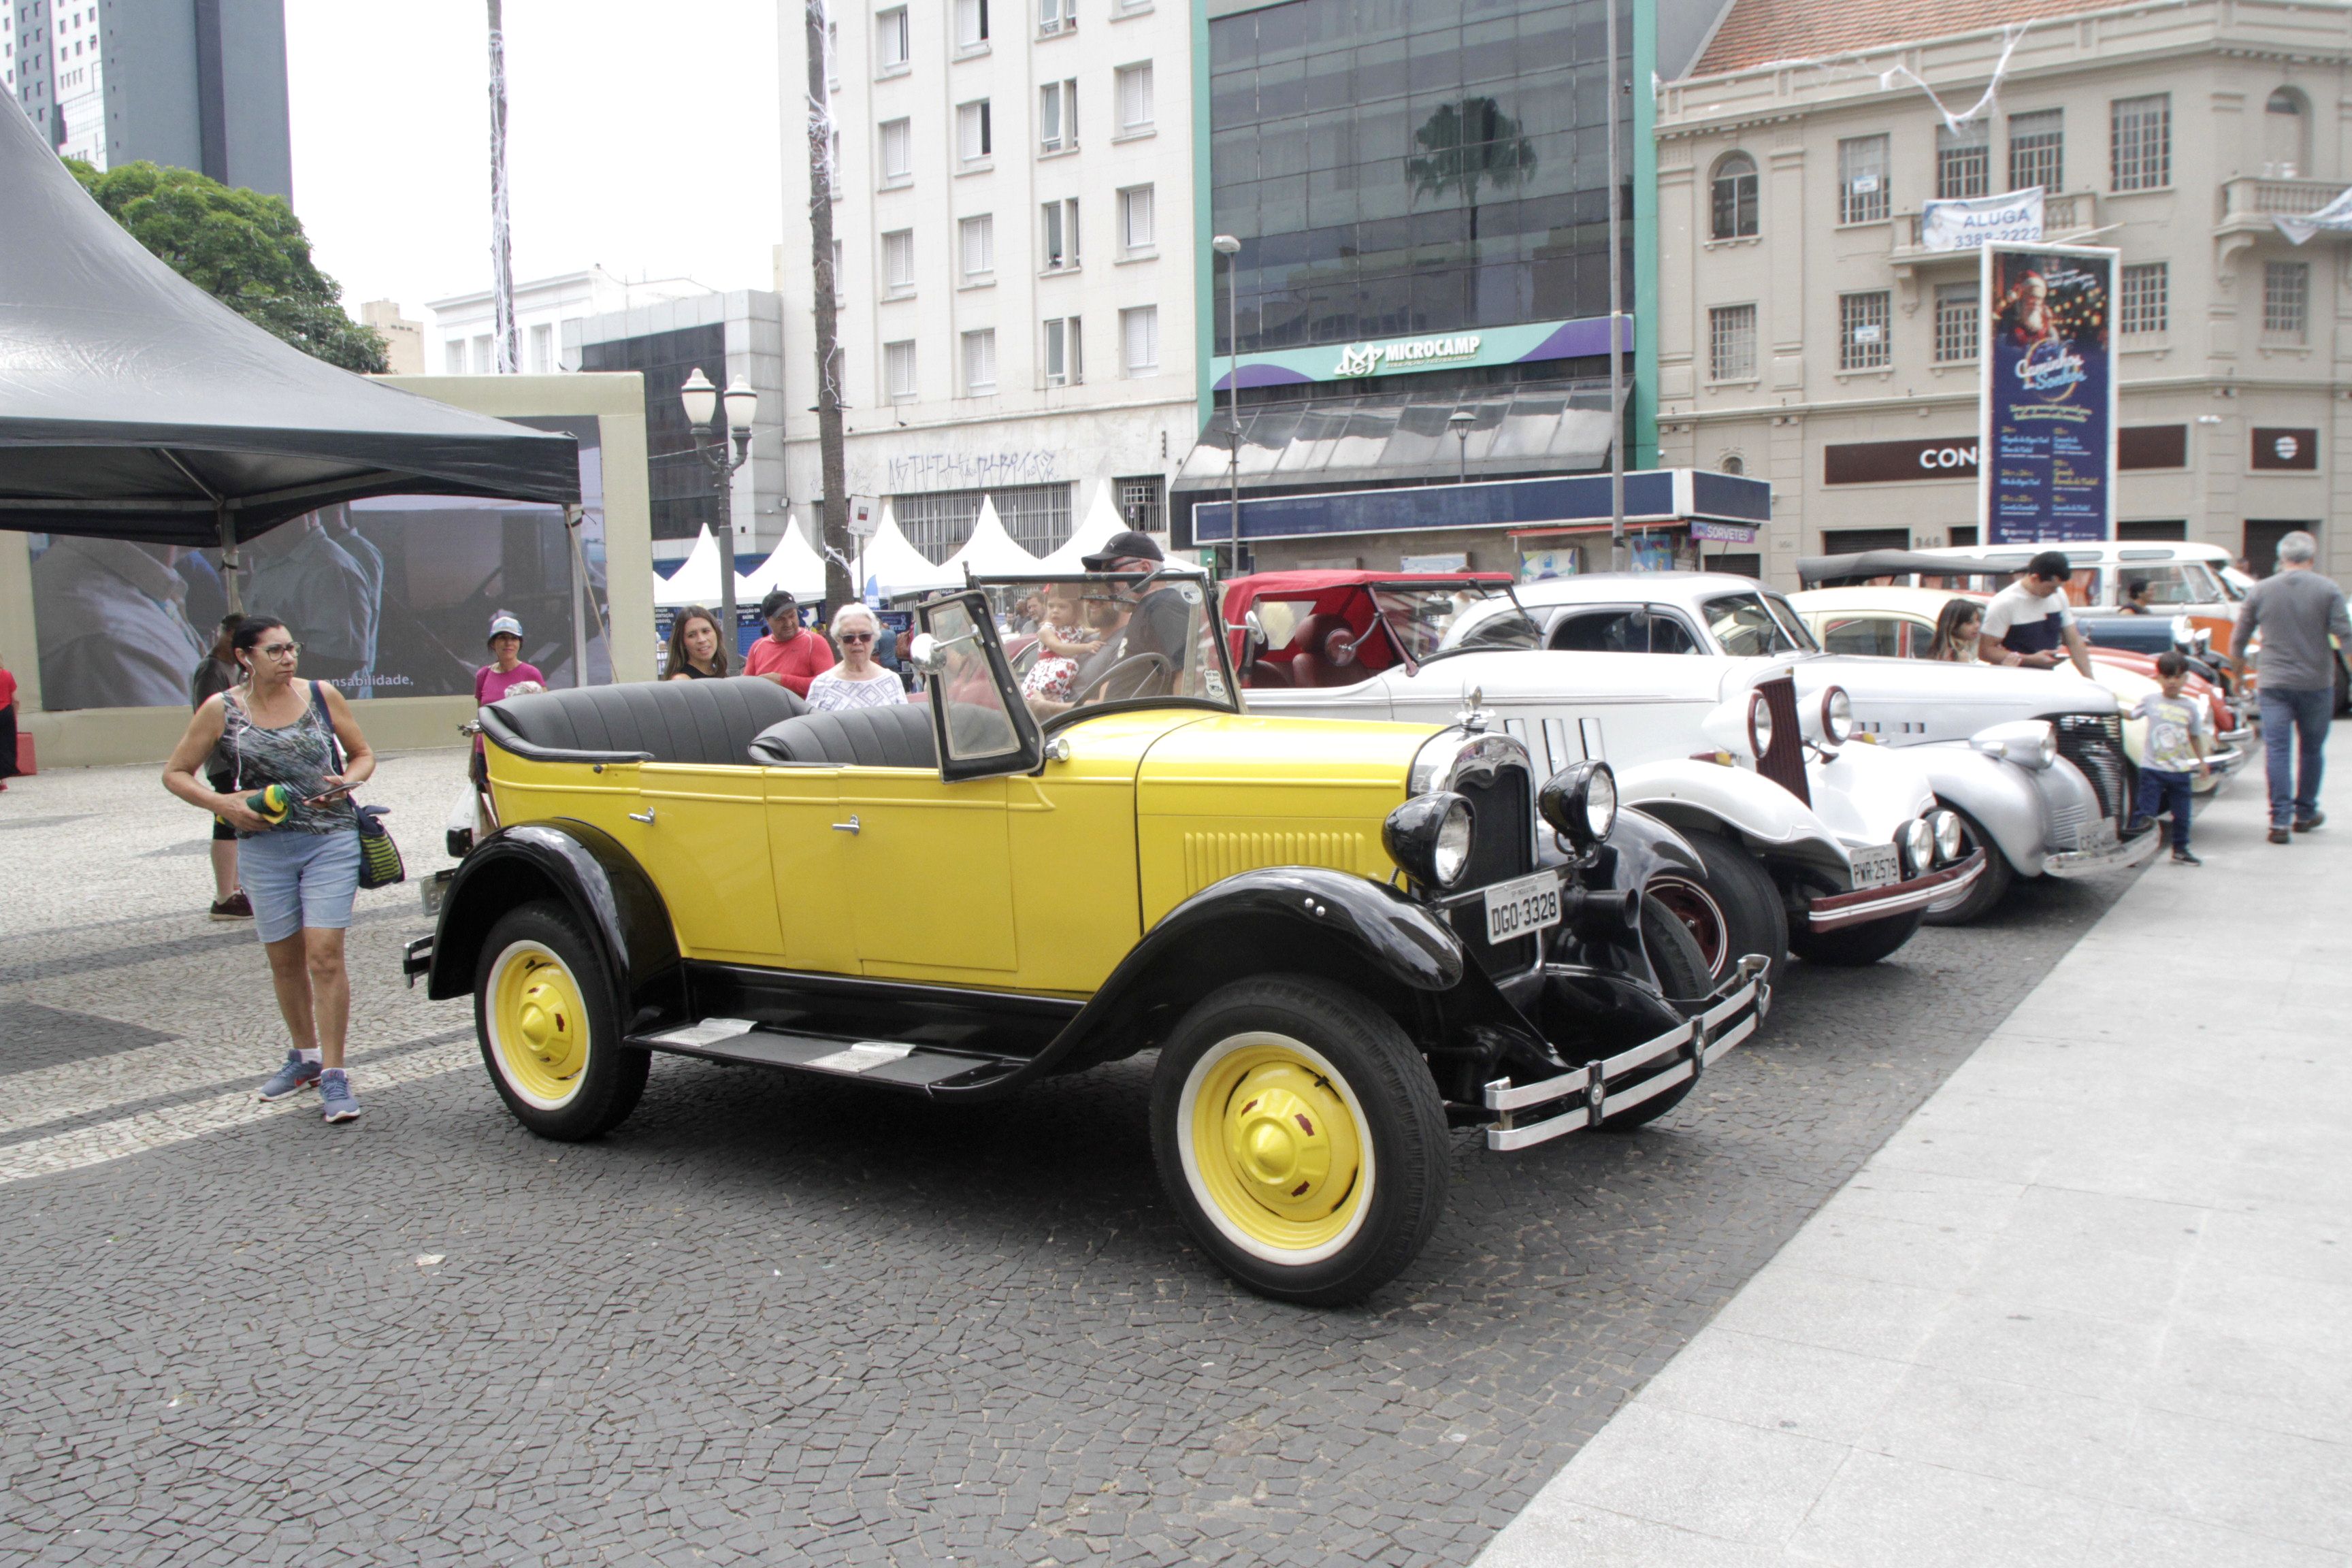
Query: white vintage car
x=1805 y=844
x=2033 y=761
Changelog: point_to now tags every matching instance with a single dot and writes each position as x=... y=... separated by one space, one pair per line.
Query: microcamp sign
x=2047 y=415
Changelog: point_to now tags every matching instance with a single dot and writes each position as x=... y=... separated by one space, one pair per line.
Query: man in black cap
x=1156 y=621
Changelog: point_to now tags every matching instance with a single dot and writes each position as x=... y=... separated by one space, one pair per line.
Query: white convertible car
x=2033 y=761
x=1805 y=844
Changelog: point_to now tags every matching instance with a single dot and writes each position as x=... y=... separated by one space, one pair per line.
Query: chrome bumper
x=2118 y=855
x=416 y=959
x=1731 y=1016
x=1839 y=909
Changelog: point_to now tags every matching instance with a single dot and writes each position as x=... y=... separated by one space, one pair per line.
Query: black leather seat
x=897 y=736
x=706 y=722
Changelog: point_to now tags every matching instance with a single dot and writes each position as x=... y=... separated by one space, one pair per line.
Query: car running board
x=898 y=1063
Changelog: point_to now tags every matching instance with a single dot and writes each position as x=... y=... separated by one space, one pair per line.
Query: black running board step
x=896 y=1062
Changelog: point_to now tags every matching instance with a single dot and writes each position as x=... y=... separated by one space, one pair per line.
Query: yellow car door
x=701 y=832
x=926 y=875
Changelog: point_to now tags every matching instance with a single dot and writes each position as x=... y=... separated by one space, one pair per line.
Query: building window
x=897 y=151
x=543 y=349
x=2146 y=305
x=1963 y=163
x=484 y=362
x=1061 y=234
x=978 y=237
x=1065 y=363
x=1862 y=331
x=899 y=370
x=1731 y=344
x=1057 y=117
x=1057 y=17
x=971 y=24
x=1957 y=331
x=898 y=262
x=979 y=362
x=2142 y=144
x=1861 y=179
x=2037 y=151
x=1138 y=336
x=2286 y=297
x=2286 y=136
x=1734 y=197
x=974 y=142
x=452 y=357
x=1143 y=503
x=940 y=522
x=1136 y=232
x=1134 y=98
x=893 y=41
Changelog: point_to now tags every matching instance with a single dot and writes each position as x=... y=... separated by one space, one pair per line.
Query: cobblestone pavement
x=774 y=1321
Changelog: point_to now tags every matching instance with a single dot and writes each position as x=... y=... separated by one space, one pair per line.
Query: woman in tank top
x=300 y=866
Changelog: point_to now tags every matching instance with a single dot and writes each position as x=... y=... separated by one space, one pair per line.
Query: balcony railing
x=2249 y=203
x=2060 y=215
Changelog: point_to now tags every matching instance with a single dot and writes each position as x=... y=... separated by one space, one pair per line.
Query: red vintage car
x=1316 y=627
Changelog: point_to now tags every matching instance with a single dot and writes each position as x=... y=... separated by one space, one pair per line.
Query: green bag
x=380 y=865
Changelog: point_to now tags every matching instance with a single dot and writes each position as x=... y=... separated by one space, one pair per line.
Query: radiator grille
x=1502 y=846
x=1212 y=857
x=1783 y=762
x=2094 y=743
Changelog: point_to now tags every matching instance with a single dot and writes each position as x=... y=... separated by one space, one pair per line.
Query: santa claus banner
x=2048 y=413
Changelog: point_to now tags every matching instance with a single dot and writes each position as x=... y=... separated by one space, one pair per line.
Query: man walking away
x=2296 y=610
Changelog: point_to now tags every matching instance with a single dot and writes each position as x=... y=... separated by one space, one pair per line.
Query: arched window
x=2286 y=136
x=1735 y=197
x=1733 y=463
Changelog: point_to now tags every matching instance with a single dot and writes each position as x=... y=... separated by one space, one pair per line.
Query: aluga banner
x=2047 y=413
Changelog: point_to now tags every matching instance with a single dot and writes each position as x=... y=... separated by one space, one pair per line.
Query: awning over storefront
x=1541 y=427
x=1567 y=503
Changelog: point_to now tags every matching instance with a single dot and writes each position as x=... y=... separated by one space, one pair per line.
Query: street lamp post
x=1226 y=246
x=1459 y=422
x=702 y=402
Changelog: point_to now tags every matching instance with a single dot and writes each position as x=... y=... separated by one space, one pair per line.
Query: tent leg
x=583 y=597
x=229 y=584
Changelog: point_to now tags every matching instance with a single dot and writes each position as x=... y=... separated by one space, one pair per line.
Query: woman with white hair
x=856 y=681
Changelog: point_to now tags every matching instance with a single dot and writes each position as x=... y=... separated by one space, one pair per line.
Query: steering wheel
x=1166 y=665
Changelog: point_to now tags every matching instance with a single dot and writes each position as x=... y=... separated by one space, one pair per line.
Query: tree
x=245 y=249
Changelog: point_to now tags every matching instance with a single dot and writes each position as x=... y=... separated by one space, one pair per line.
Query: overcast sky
x=640 y=137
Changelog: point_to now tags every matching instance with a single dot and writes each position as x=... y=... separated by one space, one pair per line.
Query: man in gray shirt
x=2297 y=610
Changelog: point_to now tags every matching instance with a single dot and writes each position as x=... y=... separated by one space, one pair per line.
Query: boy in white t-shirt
x=2179 y=728
x=2029 y=621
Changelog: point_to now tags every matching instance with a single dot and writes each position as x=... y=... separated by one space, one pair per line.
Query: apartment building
x=1806 y=335
x=197 y=87
x=546 y=309
x=1013 y=229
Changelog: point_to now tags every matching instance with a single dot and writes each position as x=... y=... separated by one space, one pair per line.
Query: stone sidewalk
x=2089 y=1306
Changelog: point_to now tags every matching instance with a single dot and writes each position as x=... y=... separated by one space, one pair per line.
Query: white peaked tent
x=1102 y=521
x=990 y=551
x=894 y=566
x=793 y=567
x=695 y=582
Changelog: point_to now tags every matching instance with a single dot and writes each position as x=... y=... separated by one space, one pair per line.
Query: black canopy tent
x=133 y=406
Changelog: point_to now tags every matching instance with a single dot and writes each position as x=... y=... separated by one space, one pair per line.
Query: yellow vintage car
x=1344 y=940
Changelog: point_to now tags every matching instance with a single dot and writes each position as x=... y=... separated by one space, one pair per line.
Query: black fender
x=1307 y=919
x=585 y=868
x=1640 y=847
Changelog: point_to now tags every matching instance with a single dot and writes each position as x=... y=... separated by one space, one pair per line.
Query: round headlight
x=1429 y=836
x=1918 y=846
x=1581 y=803
x=1949 y=838
x=1452 y=856
x=1837 y=715
x=1760 y=725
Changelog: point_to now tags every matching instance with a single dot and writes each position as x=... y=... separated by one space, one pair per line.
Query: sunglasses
x=857 y=637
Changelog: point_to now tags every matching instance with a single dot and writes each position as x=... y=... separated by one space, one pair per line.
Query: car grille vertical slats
x=2094 y=743
x=1783 y=761
x=1502 y=846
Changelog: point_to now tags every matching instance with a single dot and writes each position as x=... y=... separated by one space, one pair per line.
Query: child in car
x=1064 y=638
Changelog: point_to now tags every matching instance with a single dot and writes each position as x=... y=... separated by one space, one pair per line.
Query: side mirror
x=1253 y=638
x=926 y=654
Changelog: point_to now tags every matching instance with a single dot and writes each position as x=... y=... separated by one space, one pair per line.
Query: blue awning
x=1652 y=496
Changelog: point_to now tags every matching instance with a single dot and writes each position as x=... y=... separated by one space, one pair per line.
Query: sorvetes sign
x=1892 y=462
x=2047 y=413
x=2013 y=217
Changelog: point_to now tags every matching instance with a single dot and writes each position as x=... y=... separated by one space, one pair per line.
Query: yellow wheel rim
x=1275 y=1148
x=539 y=1024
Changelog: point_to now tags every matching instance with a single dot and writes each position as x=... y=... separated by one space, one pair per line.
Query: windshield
x=1462 y=617
x=1745 y=629
x=2174 y=583
x=1792 y=623
x=1086 y=642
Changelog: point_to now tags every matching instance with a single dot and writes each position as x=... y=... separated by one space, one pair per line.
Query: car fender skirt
x=585 y=870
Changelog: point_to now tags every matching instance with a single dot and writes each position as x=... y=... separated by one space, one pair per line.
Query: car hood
x=2006 y=693
x=1325 y=768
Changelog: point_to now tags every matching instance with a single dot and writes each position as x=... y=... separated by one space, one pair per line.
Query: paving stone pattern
x=774 y=1320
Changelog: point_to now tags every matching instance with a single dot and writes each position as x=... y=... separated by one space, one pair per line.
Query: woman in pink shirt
x=790 y=654
x=506 y=671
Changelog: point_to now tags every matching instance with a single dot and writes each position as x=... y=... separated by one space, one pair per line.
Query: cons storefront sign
x=1891 y=462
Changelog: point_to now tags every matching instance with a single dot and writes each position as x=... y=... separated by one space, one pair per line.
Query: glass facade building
x=1394 y=169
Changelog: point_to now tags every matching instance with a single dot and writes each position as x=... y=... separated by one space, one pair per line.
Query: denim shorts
x=299 y=880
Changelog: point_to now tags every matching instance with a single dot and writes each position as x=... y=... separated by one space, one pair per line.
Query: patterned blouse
x=296 y=755
x=832 y=691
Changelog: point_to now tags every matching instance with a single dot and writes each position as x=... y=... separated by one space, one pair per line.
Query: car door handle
x=645 y=817
x=849 y=826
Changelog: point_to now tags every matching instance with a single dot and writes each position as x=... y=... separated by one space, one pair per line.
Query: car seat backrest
x=704 y=723
x=1318 y=640
x=897 y=736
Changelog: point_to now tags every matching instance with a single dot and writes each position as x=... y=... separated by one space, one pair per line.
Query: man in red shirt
x=790 y=654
